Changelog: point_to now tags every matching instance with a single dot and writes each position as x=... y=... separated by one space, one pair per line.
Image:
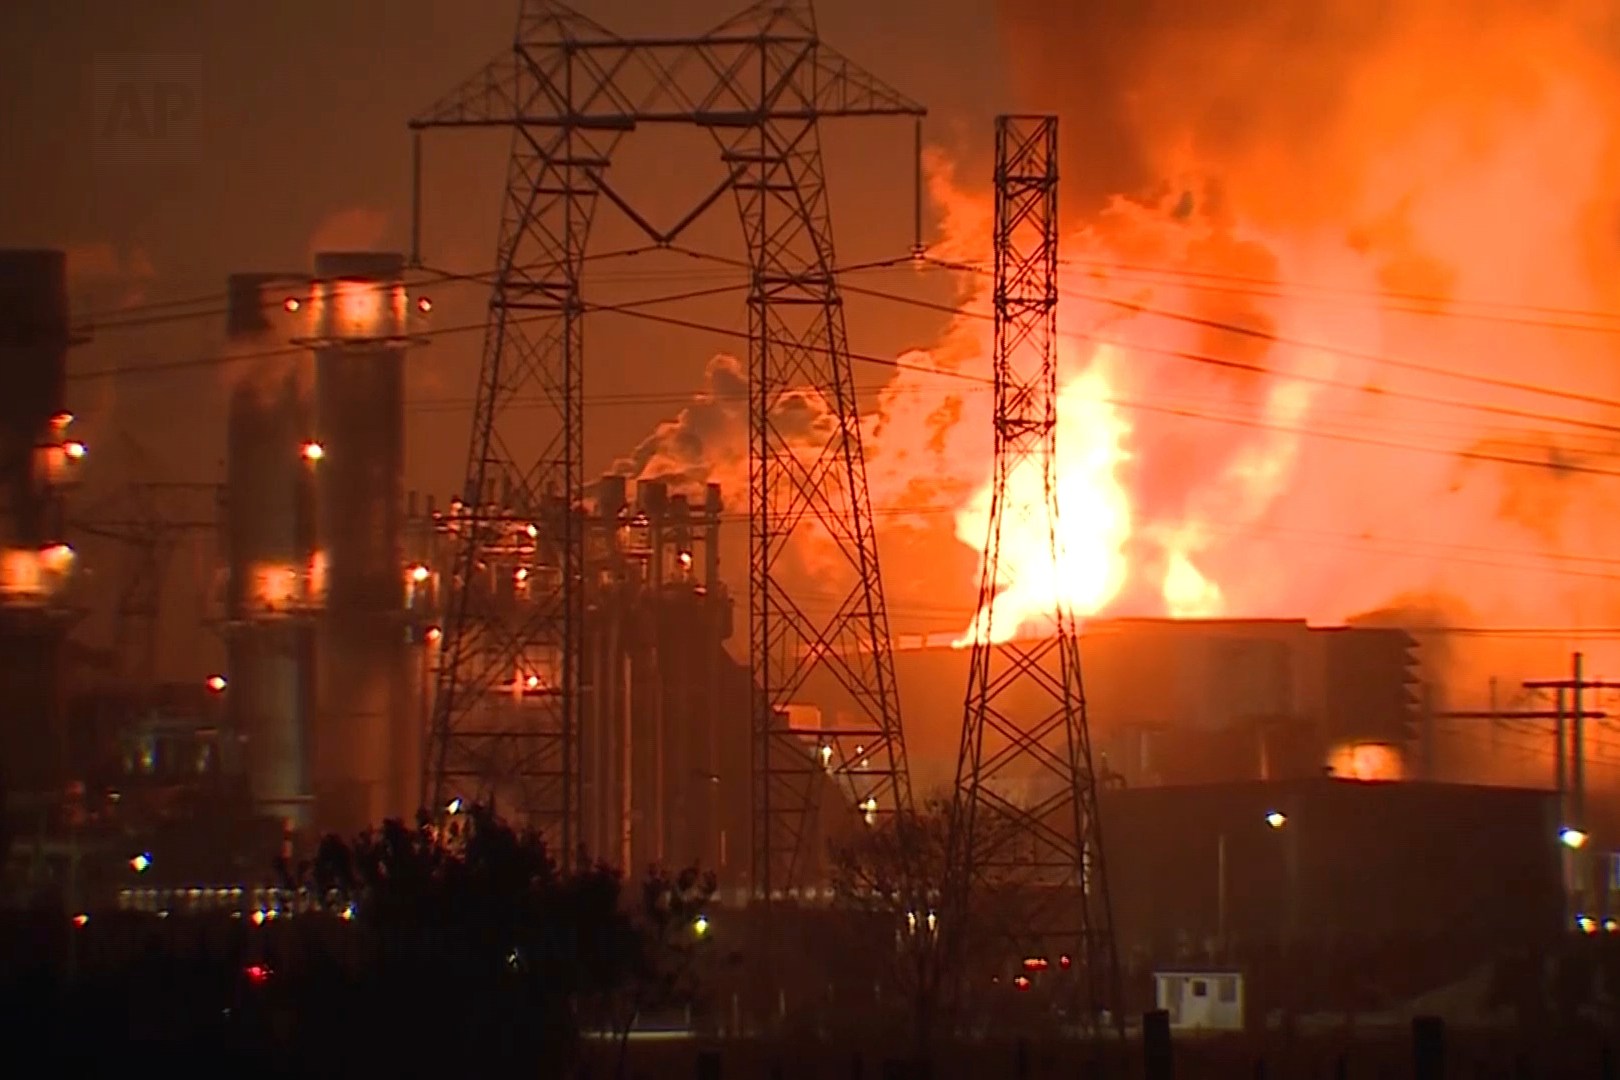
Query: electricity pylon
x=508 y=702
x=1026 y=861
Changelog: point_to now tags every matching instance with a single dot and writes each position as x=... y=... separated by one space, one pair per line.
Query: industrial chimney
x=273 y=579
x=367 y=749
x=37 y=460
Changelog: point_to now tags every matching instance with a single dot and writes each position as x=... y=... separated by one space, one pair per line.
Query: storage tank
x=367 y=760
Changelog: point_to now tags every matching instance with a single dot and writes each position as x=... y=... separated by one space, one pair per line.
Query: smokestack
x=712 y=507
x=367 y=750
x=611 y=496
x=273 y=582
x=34 y=340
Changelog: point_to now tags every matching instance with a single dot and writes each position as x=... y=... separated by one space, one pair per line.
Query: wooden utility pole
x=1570 y=691
x=1574 y=810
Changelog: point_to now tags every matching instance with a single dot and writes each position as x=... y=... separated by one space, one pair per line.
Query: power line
x=1261 y=369
x=1470 y=455
x=1422 y=303
x=632 y=309
x=141 y=315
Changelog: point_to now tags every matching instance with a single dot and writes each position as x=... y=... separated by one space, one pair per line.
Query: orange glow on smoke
x=1370 y=441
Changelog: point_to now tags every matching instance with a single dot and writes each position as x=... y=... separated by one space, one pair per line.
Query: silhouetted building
x=1267 y=863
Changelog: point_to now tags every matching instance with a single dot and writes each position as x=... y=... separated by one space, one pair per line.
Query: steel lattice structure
x=759 y=84
x=1025 y=829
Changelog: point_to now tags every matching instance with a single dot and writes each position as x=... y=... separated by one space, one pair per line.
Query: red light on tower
x=257 y=974
x=1022 y=982
x=1035 y=963
x=1064 y=962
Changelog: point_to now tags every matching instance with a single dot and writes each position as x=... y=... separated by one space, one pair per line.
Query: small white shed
x=1201 y=1000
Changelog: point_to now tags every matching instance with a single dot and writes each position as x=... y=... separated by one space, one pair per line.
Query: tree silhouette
x=515 y=953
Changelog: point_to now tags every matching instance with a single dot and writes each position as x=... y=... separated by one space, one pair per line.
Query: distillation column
x=273 y=581
x=367 y=757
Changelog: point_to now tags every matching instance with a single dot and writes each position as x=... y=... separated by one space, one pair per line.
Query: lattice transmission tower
x=507 y=707
x=1026 y=855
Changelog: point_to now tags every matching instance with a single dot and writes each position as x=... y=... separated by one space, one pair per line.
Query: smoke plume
x=1323 y=264
x=707 y=442
x=1333 y=321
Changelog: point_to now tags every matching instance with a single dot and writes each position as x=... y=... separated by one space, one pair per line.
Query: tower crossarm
x=723 y=80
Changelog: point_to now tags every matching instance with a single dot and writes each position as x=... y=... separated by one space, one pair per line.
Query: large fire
x=1333 y=330
x=1361 y=358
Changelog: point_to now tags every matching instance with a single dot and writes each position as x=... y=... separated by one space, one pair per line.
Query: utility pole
x=1571 y=690
x=1558 y=716
x=1573 y=805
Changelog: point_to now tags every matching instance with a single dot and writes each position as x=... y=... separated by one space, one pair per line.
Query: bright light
x=1587 y=924
x=314 y=451
x=1276 y=819
x=933 y=922
x=686 y=560
x=258 y=974
x=454 y=806
x=869 y=809
x=291 y=304
x=57 y=557
x=1572 y=838
x=140 y=862
x=533 y=532
x=217 y=683
x=424 y=305
x=75 y=450
x=258 y=918
x=826 y=756
x=434 y=634
x=532 y=682
x=347 y=913
x=700 y=925
x=911 y=921
x=521 y=574
x=419 y=573
x=61 y=420
x=1065 y=962
x=80 y=919
x=1035 y=963
x=1022 y=982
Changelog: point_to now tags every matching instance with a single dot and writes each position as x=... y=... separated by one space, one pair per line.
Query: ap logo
x=146 y=109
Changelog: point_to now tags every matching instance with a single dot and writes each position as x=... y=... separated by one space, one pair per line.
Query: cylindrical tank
x=34 y=340
x=368 y=753
x=271 y=589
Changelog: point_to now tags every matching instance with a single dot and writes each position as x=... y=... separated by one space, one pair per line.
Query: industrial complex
x=332 y=604
x=575 y=651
